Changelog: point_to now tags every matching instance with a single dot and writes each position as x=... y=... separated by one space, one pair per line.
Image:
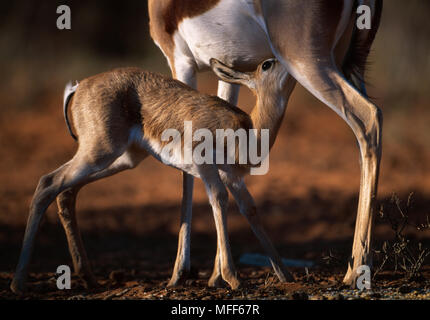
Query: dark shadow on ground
x=141 y=237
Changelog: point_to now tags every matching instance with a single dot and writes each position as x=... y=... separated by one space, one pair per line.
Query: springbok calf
x=321 y=47
x=120 y=118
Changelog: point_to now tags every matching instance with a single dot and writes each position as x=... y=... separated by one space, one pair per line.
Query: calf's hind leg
x=74 y=173
x=66 y=202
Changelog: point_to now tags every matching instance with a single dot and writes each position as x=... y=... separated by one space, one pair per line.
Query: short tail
x=355 y=63
x=69 y=91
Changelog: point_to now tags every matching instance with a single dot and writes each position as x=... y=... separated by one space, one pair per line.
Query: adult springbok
x=321 y=47
x=122 y=116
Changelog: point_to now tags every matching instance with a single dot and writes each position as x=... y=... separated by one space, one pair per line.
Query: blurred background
x=309 y=198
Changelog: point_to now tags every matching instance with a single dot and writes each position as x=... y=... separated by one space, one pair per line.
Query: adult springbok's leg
x=308 y=55
x=182 y=262
x=66 y=202
x=365 y=119
x=228 y=91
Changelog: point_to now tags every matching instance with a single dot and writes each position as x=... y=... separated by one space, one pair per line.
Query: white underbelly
x=229 y=32
x=175 y=158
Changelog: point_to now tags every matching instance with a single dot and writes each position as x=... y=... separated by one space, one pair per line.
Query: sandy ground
x=129 y=222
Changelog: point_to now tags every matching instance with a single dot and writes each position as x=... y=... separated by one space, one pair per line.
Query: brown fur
x=106 y=106
x=175 y=11
x=361 y=42
x=165 y=16
x=157 y=29
x=107 y=109
x=302 y=35
x=107 y=103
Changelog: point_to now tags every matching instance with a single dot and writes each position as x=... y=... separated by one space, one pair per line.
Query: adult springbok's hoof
x=215 y=281
x=178 y=279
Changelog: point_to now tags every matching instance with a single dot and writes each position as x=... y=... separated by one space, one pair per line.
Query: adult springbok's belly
x=228 y=32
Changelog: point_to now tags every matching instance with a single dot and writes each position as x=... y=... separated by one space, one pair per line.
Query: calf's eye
x=266 y=65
